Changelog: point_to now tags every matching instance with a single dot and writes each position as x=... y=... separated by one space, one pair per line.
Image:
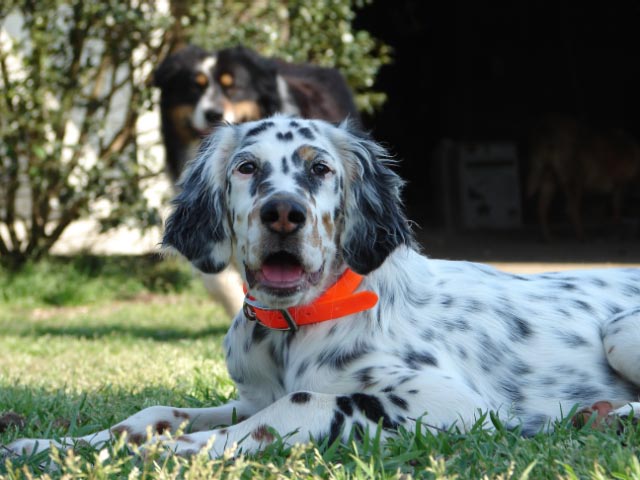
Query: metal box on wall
x=481 y=184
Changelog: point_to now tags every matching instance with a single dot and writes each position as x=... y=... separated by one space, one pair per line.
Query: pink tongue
x=282 y=273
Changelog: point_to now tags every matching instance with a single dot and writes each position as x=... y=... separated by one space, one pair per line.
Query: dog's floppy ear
x=374 y=219
x=198 y=227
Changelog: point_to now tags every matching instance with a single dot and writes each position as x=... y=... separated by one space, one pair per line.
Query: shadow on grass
x=132 y=331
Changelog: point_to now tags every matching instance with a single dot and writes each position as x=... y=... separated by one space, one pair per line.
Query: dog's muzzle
x=282 y=270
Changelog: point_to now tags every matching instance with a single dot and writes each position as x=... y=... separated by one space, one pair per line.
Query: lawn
x=88 y=341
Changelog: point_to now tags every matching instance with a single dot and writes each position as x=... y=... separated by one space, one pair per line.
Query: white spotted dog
x=346 y=326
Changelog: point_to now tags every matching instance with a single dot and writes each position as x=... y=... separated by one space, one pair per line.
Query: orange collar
x=338 y=301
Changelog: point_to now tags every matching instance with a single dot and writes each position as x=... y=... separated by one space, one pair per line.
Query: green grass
x=86 y=342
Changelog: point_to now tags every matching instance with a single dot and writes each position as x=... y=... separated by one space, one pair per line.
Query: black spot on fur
x=582 y=305
x=306 y=133
x=364 y=377
x=573 y=339
x=613 y=308
x=259 y=180
x=399 y=401
x=302 y=368
x=519 y=329
x=512 y=391
x=285 y=165
x=534 y=423
x=285 y=137
x=459 y=324
x=406 y=378
x=414 y=360
x=568 y=286
x=300 y=397
x=583 y=392
x=337 y=424
x=308 y=182
x=631 y=290
x=259 y=333
x=446 y=301
x=276 y=355
x=338 y=358
x=372 y=408
x=427 y=335
x=261 y=127
x=519 y=368
x=294 y=124
x=296 y=159
x=345 y=405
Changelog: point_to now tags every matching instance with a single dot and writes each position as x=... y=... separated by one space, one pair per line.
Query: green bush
x=85 y=279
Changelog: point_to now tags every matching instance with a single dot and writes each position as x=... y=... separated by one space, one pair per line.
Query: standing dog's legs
x=226 y=288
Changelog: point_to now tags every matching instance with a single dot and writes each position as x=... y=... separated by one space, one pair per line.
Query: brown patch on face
x=262 y=433
x=307 y=153
x=226 y=79
x=315 y=238
x=179 y=414
x=244 y=111
x=162 y=426
x=202 y=80
x=328 y=224
x=180 y=116
x=184 y=439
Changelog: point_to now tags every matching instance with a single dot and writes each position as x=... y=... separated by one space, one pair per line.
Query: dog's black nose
x=282 y=214
x=212 y=116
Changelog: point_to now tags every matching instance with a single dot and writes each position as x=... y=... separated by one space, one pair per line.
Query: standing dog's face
x=202 y=89
x=290 y=201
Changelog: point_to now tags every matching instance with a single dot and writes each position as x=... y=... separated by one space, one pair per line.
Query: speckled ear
x=374 y=220
x=198 y=227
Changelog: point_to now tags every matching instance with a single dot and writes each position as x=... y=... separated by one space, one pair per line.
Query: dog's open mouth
x=282 y=273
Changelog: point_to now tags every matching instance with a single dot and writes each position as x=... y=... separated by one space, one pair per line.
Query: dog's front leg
x=298 y=418
x=156 y=420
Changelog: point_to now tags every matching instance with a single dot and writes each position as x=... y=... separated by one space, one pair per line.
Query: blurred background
x=516 y=123
x=469 y=87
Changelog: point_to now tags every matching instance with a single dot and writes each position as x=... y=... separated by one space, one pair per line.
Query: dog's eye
x=320 y=169
x=201 y=80
x=247 y=168
x=226 y=80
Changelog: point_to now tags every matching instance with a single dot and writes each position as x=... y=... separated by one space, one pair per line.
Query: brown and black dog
x=568 y=155
x=199 y=89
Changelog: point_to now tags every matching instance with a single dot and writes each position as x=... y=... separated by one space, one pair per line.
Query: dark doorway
x=468 y=71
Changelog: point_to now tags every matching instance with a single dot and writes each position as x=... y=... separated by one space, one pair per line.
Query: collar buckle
x=250 y=305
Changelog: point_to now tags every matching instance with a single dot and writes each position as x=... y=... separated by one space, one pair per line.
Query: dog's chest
x=322 y=358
